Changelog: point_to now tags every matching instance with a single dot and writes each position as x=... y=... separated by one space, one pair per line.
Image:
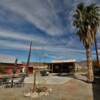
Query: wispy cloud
x=16 y=46
x=40 y=13
x=50 y=48
x=21 y=36
x=51 y=27
x=49 y=15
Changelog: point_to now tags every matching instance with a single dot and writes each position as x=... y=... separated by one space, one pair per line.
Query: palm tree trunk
x=96 y=49
x=89 y=65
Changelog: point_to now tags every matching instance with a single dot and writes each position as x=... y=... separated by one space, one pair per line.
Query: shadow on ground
x=96 y=89
x=71 y=75
x=95 y=84
x=64 y=75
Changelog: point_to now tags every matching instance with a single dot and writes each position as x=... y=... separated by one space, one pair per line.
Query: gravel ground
x=71 y=90
x=51 y=79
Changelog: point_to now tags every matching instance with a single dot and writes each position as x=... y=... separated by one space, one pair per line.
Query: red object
x=8 y=68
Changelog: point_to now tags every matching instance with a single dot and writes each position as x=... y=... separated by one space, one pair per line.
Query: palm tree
x=97 y=54
x=94 y=17
x=86 y=22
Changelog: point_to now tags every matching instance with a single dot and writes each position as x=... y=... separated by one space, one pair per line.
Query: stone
x=27 y=94
x=42 y=93
x=49 y=89
x=46 y=94
x=34 y=95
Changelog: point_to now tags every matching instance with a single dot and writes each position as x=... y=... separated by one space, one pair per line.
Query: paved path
x=48 y=79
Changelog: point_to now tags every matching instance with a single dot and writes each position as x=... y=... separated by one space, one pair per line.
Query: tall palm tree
x=94 y=18
x=97 y=54
x=84 y=21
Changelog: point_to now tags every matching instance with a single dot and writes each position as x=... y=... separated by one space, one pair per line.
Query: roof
x=38 y=65
x=7 y=59
x=64 y=61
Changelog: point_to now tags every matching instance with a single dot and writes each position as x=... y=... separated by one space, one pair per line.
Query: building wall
x=8 y=68
x=39 y=66
x=30 y=70
x=62 y=67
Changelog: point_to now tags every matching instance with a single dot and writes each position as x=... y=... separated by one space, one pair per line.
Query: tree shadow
x=64 y=74
x=96 y=88
x=71 y=75
x=95 y=84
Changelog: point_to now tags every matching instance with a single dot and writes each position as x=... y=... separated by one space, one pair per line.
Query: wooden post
x=34 y=83
x=14 y=71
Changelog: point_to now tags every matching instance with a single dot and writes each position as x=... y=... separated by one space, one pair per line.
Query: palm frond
x=86 y=20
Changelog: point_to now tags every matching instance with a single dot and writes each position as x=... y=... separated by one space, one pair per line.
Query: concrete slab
x=48 y=79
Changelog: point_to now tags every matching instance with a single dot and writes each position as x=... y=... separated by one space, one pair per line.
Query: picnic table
x=8 y=80
x=9 y=75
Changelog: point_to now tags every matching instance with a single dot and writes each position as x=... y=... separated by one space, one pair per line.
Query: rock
x=27 y=94
x=46 y=94
x=50 y=90
x=34 y=95
x=42 y=93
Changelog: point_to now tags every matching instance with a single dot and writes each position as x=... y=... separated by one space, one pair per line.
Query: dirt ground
x=72 y=90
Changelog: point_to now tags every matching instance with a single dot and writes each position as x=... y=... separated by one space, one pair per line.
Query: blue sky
x=47 y=23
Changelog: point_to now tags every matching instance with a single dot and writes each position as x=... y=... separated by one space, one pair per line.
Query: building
x=62 y=66
x=57 y=66
x=35 y=66
x=7 y=65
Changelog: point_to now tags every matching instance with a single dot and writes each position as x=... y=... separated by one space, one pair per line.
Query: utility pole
x=29 y=56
